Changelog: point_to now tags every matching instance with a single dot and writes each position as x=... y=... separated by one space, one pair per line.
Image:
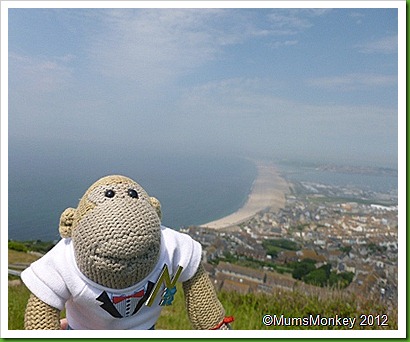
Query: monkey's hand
x=41 y=316
x=205 y=311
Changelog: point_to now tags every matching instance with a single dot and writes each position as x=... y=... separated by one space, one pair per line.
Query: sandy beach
x=268 y=191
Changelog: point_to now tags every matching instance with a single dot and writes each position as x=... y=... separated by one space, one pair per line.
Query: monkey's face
x=117 y=238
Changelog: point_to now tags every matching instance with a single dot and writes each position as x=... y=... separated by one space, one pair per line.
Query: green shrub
x=316 y=277
x=281 y=244
x=301 y=269
x=18 y=246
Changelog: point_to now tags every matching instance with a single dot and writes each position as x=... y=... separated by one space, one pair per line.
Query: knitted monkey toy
x=117 y=266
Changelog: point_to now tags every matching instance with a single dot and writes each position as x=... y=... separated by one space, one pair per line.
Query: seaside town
x=322 y=236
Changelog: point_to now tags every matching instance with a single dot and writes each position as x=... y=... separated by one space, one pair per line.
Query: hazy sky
x=318 y=83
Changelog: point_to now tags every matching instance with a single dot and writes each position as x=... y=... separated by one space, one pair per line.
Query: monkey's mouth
x=123 y=259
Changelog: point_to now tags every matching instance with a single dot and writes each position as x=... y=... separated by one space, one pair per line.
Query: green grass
x=20 y=257
x=174 y=317
x=248 y=309
x=18 y=296
x=31 y=245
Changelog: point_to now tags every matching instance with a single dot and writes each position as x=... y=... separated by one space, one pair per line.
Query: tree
x=317 y=277
x=303 y=268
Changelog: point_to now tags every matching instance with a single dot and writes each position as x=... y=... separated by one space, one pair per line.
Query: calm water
x=193 y=189
x=382 y=183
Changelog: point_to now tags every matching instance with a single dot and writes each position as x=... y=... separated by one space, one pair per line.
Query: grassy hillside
x=20 y=257
x=248 y=309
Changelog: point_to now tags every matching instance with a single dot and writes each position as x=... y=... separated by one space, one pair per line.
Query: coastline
x=268 y=191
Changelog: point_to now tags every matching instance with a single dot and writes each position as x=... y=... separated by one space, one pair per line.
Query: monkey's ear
x=157 y=206
x=66 y=222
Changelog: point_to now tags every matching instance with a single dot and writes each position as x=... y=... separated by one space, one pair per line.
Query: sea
x=193 y=188
x=375 y=179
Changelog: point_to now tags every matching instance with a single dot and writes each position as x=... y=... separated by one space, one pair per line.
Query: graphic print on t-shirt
x=125 y=305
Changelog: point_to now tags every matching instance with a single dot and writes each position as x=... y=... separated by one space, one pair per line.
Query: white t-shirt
x=57 y=281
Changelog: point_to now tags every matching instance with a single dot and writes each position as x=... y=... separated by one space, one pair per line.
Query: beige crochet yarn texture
x=116 y=236
x=117 y=240
x=41 y=316
x=204 y=309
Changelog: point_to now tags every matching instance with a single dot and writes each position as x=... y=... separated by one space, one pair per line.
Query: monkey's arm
x=205 y=311
x=41 y=316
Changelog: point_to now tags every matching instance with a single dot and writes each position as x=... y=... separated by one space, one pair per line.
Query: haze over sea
x=193 y=188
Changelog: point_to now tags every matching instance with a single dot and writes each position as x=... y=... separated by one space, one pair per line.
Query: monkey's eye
x=109 y=193
x=132 y=193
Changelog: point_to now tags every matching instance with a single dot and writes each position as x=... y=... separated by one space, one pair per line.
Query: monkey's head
x=115 y=232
